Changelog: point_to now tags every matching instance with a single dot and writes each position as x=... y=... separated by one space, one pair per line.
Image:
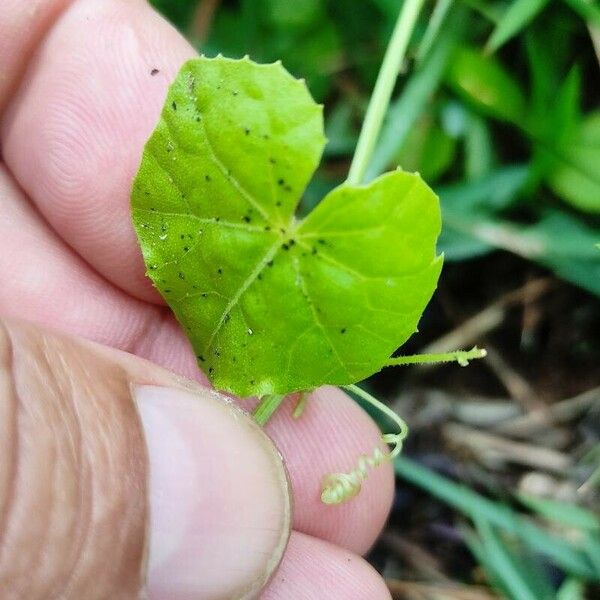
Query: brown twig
x=515 y=384
x=493 y=448
x=414 y=590
x=202 y=20
x=473 y=329
x=559 y=412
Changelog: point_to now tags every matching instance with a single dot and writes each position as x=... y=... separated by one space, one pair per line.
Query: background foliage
x=498 y=109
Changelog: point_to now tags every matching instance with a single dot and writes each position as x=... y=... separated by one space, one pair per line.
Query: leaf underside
x=272 y=304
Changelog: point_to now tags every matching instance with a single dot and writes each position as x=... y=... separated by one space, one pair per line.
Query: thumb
x=120 y=480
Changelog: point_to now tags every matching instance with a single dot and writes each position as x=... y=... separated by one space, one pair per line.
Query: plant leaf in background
x=517 y=16
x=274 y=305
x=483 y=81
x=512 y=570
x=574 y=174
x=566 y=554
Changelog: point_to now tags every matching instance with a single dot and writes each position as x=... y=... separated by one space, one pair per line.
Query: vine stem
x=380 y=99
x=266 y=407
x=386 y=410
x=462 y=357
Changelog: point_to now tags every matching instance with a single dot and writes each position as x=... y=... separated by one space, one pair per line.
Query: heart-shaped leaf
x=271 y=304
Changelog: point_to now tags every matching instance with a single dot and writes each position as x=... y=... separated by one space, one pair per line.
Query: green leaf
x=516 y=17
x=465 y=204
x=571 y=589
x=563 y=553
x=575 y=172
x=587 y=9
x=271 y=304
x=562 y=512
x=416 y=94
x=516 y=575
x=483 y=81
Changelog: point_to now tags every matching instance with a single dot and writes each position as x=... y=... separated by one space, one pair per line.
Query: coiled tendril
x=339 y=487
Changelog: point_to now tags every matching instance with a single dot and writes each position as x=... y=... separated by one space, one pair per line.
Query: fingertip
x=74 y=132
x=329 y=437
x=313 y=568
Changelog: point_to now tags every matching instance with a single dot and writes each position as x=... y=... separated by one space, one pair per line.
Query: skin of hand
x=122 y=475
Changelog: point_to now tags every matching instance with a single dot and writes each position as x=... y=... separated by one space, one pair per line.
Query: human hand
x=107 y=457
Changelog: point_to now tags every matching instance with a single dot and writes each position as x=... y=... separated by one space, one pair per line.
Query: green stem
x=386 y=410
x=394 y=56
x=300 y=405
x=462 y=357
x=267 y=406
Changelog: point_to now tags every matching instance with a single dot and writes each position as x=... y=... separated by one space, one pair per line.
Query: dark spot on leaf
x=204 y=295
x=247 y=131
x=167 y=291
x=210 y=369
x=180 y=275
x=154 y=72
x=201 y=358
x=217 y=219
x=292 y=242
x=267 y=228
x=343 y=330
x=321 y=241
x=226 y=318
x=285 y=247
x=234 y=93
x=246 y=218
x=185 y=248
x=314 y=250
x=270 y=263
x=220 y=271
x=287 y=188
x=217 y=353
x=207 y=178
x=182 y=236
x=278 y=203
x=259 y=276
x=272 y=161
x=266 y=136
x=197 y=119
x=174 y=105
x=280 y=181
x=252 y=382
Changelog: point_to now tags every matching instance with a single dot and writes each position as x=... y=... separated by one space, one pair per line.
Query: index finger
x=77 y=119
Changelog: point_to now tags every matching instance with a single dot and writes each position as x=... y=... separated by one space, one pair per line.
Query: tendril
x=339 y=487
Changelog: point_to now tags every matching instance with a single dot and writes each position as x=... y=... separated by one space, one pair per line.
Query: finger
x=74 y=131
x=107 y=458
x=21 y=27
x=329 y=437
x=53 y=286
x=312 y=568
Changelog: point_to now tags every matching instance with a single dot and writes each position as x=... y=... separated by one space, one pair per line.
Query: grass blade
x=566 y=555
x=520 y=577
x=405 y=111
x=587 y=10
x=517 y=16
x=562 y=512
